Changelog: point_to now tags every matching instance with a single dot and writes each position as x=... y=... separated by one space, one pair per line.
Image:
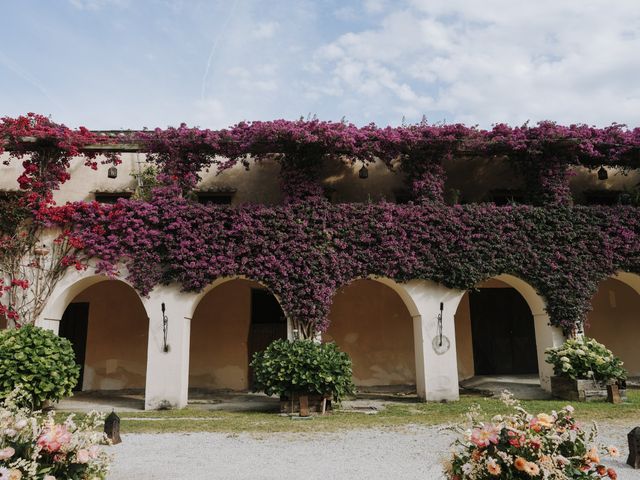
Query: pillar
x=436 y=368
x=547 y=336
x=167 y=382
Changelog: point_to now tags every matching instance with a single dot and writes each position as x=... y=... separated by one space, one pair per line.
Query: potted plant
x=303 y=371
x=583 y=368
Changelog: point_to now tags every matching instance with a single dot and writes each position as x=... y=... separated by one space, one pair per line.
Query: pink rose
x=486 y=435
x=6 y=453
x=54 y=438
x=82 y=456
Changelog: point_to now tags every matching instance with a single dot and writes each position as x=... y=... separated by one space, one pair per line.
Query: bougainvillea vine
x=307 y=248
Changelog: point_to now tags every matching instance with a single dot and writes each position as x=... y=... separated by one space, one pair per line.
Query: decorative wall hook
x=440 y=342
x=165 y=329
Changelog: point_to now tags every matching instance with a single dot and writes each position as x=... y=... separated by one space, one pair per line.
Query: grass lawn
x=394 y=415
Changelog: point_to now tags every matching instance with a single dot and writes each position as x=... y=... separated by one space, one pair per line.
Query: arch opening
x=231 y=321
x=372 y=323
x=615 y=318
x=107 y=324
x=495 y=332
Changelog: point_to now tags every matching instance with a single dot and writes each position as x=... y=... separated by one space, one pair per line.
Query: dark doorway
x=504 y=339
x=268 y=323
x=73 y=326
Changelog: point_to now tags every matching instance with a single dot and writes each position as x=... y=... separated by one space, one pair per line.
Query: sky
x=110 y=64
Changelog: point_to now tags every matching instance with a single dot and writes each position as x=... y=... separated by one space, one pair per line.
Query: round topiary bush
x=38 y=361
x=303 y=366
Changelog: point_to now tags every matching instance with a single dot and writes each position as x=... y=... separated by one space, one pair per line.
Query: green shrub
x=38 y=361
x=585 y=359
x=302 y=366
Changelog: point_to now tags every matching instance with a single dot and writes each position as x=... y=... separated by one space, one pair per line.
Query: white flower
x=20 y=424
x=569 y=409
x=467 y=468
x=565 y=359
x=4 y=473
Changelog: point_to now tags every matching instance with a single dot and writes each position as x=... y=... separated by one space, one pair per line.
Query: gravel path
x=399 y=453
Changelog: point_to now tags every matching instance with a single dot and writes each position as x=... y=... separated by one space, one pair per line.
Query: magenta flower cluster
x=307 y=248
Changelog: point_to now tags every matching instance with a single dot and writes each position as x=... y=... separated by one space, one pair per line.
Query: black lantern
x=112 y=172
x=602 y=174
x=42 y=251
x=364 y=172
x=634 y=448
x=112 y=428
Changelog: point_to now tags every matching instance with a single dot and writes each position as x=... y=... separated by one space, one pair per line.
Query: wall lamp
x=112 y=172
x=603 y=174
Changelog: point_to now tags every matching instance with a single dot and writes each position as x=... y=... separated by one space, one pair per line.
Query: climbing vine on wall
x=307 y=248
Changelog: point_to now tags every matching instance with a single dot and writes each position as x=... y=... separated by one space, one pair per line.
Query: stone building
x=390 y=329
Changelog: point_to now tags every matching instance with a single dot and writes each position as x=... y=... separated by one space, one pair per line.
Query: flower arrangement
x=524 y=446
x=34 y=447
x=585 y=359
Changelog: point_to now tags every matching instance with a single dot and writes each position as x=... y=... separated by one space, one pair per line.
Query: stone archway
x=531 y=309
x=371 y=322
x=615 y=318
x=232 y=319
x=107 y=324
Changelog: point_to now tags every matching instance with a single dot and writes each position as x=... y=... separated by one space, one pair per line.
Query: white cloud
x=492 y=61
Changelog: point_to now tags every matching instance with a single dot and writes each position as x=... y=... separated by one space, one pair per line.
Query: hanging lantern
x=113 y=172
x=602 y=174
x=364 y=172
x=42 y=251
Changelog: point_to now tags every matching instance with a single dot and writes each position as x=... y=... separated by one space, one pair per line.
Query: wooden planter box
x=317 y=403
x=580 y=390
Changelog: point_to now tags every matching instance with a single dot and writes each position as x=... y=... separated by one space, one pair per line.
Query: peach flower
x=592 y=455
x=532 y=469
x=520 y=464
x=493 y=468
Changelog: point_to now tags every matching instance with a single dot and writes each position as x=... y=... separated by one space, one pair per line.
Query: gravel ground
x=399 y=453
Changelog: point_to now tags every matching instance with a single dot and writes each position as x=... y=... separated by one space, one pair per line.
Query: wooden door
x=73 y=326
x=504 y=341
x=268 y=323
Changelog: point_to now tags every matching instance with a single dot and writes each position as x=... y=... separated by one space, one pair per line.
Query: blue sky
x=135 y=63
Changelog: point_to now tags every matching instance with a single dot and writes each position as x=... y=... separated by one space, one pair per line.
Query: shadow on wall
x=370 y=322
x=615 y=322
x=115 y=354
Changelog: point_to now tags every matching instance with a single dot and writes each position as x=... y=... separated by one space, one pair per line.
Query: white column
x=167 y=382
x=436 y=368
x=547 y=336
x=52 y=324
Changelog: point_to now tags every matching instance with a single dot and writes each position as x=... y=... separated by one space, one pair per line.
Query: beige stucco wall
x=116 y=356
x=615 y=322
x=370 y=322
x=219 y=356
x=473 y=177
